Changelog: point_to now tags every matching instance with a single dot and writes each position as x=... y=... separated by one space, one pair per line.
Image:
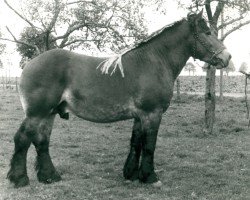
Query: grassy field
x=90 y=156
x=232 y=84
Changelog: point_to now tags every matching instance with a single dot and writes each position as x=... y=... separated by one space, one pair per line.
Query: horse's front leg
x=150 y=124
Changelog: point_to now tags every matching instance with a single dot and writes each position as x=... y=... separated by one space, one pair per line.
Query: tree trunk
x=221 y=84
x=221 y=71
x=210 y=100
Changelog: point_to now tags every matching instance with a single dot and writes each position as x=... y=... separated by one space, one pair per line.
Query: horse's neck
x=171 y=48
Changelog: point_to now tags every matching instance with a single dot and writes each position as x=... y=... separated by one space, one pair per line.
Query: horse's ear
x=192 y=17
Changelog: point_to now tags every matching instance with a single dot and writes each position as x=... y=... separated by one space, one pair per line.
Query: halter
x=204 y=44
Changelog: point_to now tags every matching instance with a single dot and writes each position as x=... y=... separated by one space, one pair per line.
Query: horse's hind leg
x=46 y=171
x=18 y=172
x=36 y=130
x=130 y=170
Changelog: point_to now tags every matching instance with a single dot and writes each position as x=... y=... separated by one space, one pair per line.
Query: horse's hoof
x=19 y=182
x=157 y=184
x=49 y=179
x=131 y=175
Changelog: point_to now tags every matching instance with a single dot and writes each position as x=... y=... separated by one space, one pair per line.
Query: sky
x=238 y=43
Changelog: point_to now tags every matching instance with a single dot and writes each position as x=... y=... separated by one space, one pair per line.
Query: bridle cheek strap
x=197 y=38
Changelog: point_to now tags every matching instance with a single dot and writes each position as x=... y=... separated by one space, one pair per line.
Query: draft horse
x=137 y=84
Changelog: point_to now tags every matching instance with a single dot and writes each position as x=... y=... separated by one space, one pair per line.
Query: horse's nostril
x=230 y=56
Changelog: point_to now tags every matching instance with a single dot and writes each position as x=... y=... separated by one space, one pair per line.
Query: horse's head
x=205 y=45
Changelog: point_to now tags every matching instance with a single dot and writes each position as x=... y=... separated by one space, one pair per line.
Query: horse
x=136 y=84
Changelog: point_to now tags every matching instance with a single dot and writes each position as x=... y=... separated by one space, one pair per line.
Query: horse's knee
x=37 y=129
x=42 y=137
x=21 y=138
x=27 y=129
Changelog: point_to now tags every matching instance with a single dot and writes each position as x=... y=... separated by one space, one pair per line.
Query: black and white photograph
x=124 y=99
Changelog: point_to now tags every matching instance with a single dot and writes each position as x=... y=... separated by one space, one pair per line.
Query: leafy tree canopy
x=244 y=68
x=190 y=67
x=36 y=40
x=235 y=13
x=90 y=24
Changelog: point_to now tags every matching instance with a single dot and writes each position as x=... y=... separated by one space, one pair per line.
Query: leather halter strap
x=204 y=44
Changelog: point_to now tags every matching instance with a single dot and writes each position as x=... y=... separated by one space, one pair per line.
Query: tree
x=190 y=67
x=235 y=17
x=36 y=40
x=244 y=68
x=233 y=20
x=229 y=68
x=91 y=24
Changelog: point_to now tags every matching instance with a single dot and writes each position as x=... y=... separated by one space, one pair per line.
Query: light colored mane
x=116 y=61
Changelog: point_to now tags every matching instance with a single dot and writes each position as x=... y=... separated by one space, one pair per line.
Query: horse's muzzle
x=222 y=59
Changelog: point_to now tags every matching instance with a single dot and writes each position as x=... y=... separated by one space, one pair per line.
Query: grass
x=231 y=84
x=90 y=156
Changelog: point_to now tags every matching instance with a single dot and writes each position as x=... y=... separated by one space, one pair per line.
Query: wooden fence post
x=210 y=100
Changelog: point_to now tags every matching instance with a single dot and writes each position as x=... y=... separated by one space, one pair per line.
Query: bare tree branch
x=19 y=42
x=75 y=2
x=70 y=30
x=55 y=16
x=22 y=17
x=11 y=33
x=209 y=11
x=218 y=11
x=230 y=22
x=235 y=29
x=79 y=40
x=73 y=28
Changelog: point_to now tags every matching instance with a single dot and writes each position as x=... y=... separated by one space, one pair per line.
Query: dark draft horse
x=137 y=84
